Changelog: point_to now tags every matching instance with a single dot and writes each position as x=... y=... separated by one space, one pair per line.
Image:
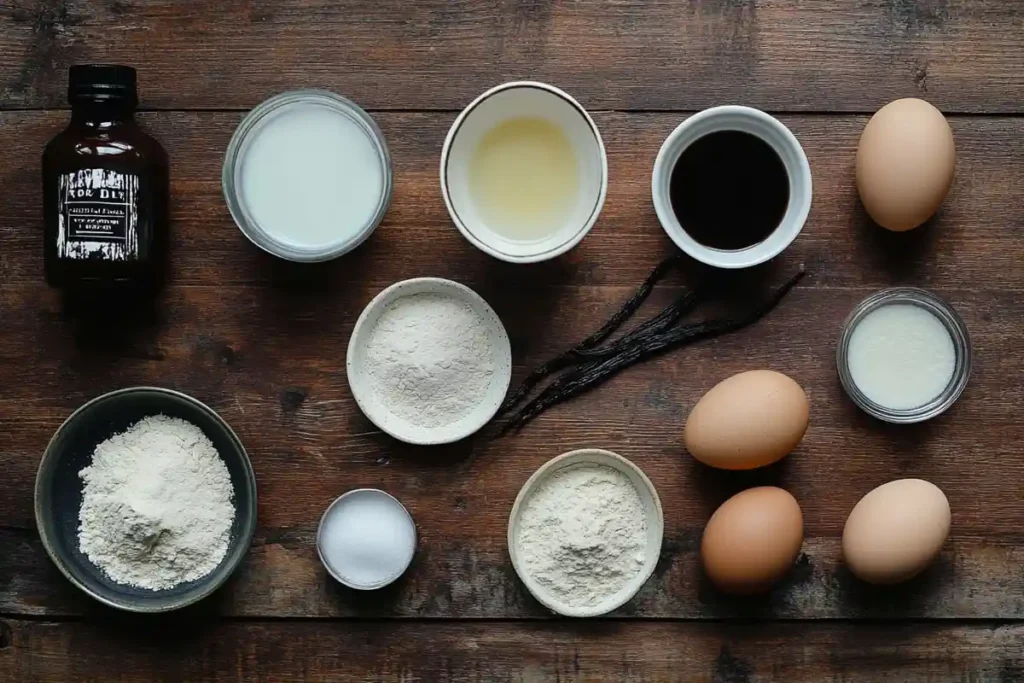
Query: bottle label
x=98 y=215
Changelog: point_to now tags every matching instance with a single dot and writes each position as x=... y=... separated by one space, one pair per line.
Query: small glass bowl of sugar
x=904 y=355
x=366 y=539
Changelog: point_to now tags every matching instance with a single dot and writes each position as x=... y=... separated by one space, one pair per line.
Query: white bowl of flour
x=429 y=362
x=585 y=532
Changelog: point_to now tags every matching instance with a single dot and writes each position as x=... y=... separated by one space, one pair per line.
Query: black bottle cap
x=102 y=82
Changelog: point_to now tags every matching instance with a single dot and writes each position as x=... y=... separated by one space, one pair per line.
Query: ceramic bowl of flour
x=59 y=494
x=429 y=361
x=585 y=532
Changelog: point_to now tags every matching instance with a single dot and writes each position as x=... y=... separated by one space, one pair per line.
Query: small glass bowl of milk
x=307 y=176
x=524 y=172
x=904 y=355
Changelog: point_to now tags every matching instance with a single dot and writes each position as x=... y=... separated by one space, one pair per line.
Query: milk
x=901 y=356
x=311 y=177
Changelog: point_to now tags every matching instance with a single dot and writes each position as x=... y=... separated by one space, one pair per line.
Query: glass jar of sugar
x=307 y=176
x=904 y=355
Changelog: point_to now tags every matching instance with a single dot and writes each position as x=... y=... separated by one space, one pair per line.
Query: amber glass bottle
x=105 y=191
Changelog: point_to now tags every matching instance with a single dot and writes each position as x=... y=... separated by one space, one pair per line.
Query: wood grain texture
x=264 y=342
x=974 y=242
x=271 y=362
x=850 y=55
x=471 y=579
x=133 y=651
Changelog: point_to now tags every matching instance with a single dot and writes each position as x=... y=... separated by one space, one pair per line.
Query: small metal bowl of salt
x=429 y=362
x=585 y=532
x=366 y=539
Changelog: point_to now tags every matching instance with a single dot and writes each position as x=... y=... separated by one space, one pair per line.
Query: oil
x=729 y=190
x=524 y=178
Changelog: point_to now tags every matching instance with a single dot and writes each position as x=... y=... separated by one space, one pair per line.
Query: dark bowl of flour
x=145 y=499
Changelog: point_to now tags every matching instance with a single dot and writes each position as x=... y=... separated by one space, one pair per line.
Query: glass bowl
x=953 y=323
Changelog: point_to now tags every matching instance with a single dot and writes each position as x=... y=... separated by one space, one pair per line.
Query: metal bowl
x=58 y=493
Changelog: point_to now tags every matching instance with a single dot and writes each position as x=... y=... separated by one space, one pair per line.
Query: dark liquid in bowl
x=729 y=190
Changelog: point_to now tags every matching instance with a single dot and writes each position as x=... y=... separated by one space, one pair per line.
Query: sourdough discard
x=430 y=358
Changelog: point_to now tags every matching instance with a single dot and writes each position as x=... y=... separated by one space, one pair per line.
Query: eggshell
x=905 y=163
x=895 y=531
x=748 y=420
x=752 y=540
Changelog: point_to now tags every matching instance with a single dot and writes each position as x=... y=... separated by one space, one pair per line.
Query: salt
x=366 y=539
x=901 y=356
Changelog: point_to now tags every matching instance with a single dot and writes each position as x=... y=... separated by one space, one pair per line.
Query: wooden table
x=264 y=343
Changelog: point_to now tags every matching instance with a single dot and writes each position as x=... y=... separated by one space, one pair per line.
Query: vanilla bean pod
x=663 y=320
x=590 y=374
x=573 y=355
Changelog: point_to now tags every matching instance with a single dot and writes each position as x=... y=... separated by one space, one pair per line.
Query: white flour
x=430 y=359
x=156 y=506
x=582 y=534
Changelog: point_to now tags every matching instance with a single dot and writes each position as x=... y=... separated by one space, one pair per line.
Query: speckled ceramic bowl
x=653 y=514
x=58 y=493
x=397 y=426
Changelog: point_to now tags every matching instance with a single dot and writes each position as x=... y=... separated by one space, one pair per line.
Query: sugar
x=311 y=177
x=901 y=356
x=367 y=539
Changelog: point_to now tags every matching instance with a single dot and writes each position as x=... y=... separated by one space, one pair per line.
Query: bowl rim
x=598 y=456
x=412 y=434
x=244 y=540
x=481 y=243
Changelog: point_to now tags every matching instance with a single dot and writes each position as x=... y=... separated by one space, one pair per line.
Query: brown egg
x=752 y=540
x=748 y=420
x=896 y=531
x=905 y=163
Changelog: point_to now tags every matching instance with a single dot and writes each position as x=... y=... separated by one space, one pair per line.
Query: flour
x=430 y=359
x=582 y=534
x=156 y=506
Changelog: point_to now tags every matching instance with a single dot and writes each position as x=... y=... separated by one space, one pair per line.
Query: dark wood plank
x=271 y=362
x=456 y=578
x=975 y=241
x=964 y=55
x=128 y=652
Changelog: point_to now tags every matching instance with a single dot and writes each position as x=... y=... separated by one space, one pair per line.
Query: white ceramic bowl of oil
x=654 y=518
x=372 y=404
x=524 y=172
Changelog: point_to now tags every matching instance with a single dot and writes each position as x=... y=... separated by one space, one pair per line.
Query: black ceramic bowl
x=59 y=493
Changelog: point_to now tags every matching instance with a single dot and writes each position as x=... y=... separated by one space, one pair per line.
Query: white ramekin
x=513 y=100
x=773 y=132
